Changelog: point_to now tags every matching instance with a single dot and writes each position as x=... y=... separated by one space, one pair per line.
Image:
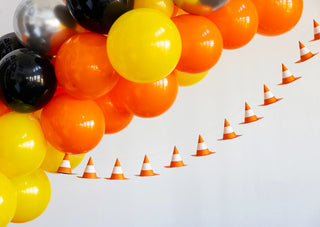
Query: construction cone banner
x=202 y=149
x=90 y=172
x=287 y=76
x=117 y=173
x=305 y=53
x=249 y=115
x=176 y=160
x=228 y=132
x=146 y=170
x=65 y=166
x=269 y=98
x=316 y=31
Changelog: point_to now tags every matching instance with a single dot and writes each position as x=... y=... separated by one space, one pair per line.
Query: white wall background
x=268 y=177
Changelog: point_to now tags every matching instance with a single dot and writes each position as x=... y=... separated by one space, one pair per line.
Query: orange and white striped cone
x=249 y=115
x=202 y=149
x=90 y=171
x=305 y=53
x=269 y=98
x=146 y=170
x=65 y=166
x=316 y=28
x=117 y=173
x=228 y=132
x=287 y=76
x=176 y=160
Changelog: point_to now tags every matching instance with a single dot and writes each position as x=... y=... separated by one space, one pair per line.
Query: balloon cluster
x=73 y=71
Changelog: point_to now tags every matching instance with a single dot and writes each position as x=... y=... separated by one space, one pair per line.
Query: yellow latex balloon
x=187 y=79
x=34 y=192
x=8 y=200
x=54 y=157
x=22 y=144
x=165 y=6
x=144 y=45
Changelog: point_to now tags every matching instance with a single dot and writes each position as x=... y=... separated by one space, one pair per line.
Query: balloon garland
x=73 y=71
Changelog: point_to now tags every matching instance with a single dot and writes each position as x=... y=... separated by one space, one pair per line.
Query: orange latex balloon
x=3 y=109
x=237 y=21
x=278 y=16
x=150 y=99
x=116 y=116
x=71 y=125
x=201 y=43
x=82 y=66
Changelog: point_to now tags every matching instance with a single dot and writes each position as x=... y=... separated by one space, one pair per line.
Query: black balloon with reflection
x=27 y=81
x=98 y=15
x=8 y=43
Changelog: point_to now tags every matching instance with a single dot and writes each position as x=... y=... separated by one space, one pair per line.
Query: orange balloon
x=83 y=68
x=149 y=99
x=71 y=125
x=237 y=21
x=116 y=116
x=278 y=16
x=3 y=109
x=201 y=43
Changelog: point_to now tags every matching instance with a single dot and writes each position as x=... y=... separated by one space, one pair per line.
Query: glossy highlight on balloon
x=237 y=21
x=98 y=15
x=201 y=43
x=23 y=146
x=8 y=200
x=44 y=25
x=33 y=196
x=71 y=125
x=89 y=74
x=27 y=81
x=144 y=45
x=150 y=99
x=277 y=17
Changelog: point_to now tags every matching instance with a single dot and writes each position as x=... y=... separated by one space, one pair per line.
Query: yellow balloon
x=22 y=144
x=187 y=79
x=8 y=200
x=34 y=192
x=144 y=45
x=165 y=6
x=54 y=157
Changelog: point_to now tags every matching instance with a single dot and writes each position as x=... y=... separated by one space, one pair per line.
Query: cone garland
x=269 y=98
x=176 y=160
x=249 y=115
x=90 y=172
x=287 y=76
x=146 y=170
x=228 y=132
x=65 y=166
x=316 y=29
x=117 y=173
x=202 y=149
x=305 y=53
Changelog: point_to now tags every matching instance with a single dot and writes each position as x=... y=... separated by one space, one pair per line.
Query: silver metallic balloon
x=200 y=7
x=43 y=25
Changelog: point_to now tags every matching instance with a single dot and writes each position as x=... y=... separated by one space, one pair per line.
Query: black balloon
x=8 y=43
x=27 y=81
x=98 y=15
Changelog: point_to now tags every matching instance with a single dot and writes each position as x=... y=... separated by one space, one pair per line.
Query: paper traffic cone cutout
x=146 y=170
x=316 y=28
x=249 y=115
x=117 y=173
x=176 y=160
x=287 y=76
x=228 y=132
x=90 y=172
x=305 y=53
x=202 y=149
x=269 y=98
x=65 y=166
